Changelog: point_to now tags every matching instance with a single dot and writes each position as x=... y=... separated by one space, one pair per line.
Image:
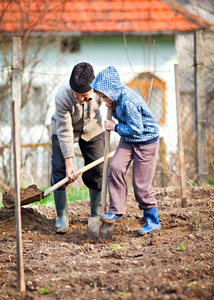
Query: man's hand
x=109 y=124
x=70 y=172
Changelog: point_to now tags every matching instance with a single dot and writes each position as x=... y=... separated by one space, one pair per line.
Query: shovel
x=95 y=226
x=32 y=193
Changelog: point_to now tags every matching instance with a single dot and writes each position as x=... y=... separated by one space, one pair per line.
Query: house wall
x=110 y=50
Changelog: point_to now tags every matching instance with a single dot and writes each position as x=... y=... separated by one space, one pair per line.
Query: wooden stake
x=200 y=108
x=16 y=125
x=180 y=139
x=16 y=144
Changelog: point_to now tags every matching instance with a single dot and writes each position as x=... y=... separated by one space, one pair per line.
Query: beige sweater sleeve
x=64 y=102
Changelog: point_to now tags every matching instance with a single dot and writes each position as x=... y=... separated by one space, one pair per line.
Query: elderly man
x=77 y=118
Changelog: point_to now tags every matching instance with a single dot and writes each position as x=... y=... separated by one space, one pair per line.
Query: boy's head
x=104 y=97
x=108 y=83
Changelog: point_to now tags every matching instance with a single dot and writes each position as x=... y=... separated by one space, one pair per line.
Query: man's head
x=80 y=80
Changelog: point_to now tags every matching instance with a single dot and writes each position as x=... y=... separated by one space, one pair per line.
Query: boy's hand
x=109 y=124
x=111 y=104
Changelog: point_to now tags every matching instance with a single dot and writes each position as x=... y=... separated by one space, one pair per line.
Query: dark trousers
x=91 y=151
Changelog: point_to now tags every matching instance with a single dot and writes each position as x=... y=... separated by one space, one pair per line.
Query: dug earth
x=175 y=262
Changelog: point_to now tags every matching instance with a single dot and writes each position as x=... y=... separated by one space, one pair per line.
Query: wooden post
x=200 y=108
x=16 y=95
x=16 y=134
x=180 y=139
x=164 y=175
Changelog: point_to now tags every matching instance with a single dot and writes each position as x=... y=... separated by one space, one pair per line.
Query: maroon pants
x=144 y=163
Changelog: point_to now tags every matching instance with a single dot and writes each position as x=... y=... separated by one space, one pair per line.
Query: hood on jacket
x=108 y=83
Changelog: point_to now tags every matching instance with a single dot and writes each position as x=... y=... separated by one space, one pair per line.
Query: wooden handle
x=105 y=167
x=80 y=171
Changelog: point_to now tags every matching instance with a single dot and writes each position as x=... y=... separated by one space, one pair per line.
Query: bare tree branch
x=124 y=38
x=153 y=76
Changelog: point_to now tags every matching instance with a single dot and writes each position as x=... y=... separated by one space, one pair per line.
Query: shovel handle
x=80 y=171
x=106 y=163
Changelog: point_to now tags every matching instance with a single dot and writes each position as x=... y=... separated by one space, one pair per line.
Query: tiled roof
x=97 y=16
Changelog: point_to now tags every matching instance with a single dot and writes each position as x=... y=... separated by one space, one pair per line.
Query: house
x=137 y=37
x=199 y=143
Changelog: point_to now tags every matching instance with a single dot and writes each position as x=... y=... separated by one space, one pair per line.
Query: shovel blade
x=107 y=230
x=94 y=226
x=29 y=195
x=34 y=198
x=97 y=228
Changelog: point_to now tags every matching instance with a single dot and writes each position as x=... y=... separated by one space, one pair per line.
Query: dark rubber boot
x=61 y=224
x=95 y=200
x=152 y=222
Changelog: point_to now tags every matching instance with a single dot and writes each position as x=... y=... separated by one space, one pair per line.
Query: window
x=157 y=103
x=70 y=45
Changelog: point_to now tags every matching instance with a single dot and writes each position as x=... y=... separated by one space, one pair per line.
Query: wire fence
x=189 y=122
x=37 y=107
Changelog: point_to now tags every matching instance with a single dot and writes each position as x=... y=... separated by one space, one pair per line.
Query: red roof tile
x=101 y=16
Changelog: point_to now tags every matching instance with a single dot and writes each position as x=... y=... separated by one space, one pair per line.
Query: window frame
x=145 y=85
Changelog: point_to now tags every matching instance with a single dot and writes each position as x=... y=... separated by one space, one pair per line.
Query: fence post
x=180 y=139
x=164 y=175
x=200 y=108
x=16 y=141
x=16 y=95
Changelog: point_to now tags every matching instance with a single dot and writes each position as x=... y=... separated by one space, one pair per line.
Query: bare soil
x=29 y=195
x=175 y=262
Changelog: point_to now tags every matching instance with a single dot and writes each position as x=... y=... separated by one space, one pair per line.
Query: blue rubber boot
x=61 y=224
x=152 y=222
x=95 y=200
x=110 y=218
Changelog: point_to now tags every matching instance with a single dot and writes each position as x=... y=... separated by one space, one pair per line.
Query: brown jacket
x=72 y=120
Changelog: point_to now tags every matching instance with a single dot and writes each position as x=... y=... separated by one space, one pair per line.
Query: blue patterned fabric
x=135 y=121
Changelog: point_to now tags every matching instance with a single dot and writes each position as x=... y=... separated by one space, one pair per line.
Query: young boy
x=139 y=143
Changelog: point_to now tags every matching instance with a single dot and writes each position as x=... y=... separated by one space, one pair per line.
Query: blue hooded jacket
x=136 y=124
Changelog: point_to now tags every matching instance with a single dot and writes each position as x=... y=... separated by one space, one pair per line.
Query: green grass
x=181 y=247
x=1 y=195
x=210 y=180
x=73 y=194
x=45 y=290
x=115 y=247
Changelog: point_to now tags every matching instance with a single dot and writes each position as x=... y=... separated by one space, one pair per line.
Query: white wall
x=104 y=51
x=110 y=50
